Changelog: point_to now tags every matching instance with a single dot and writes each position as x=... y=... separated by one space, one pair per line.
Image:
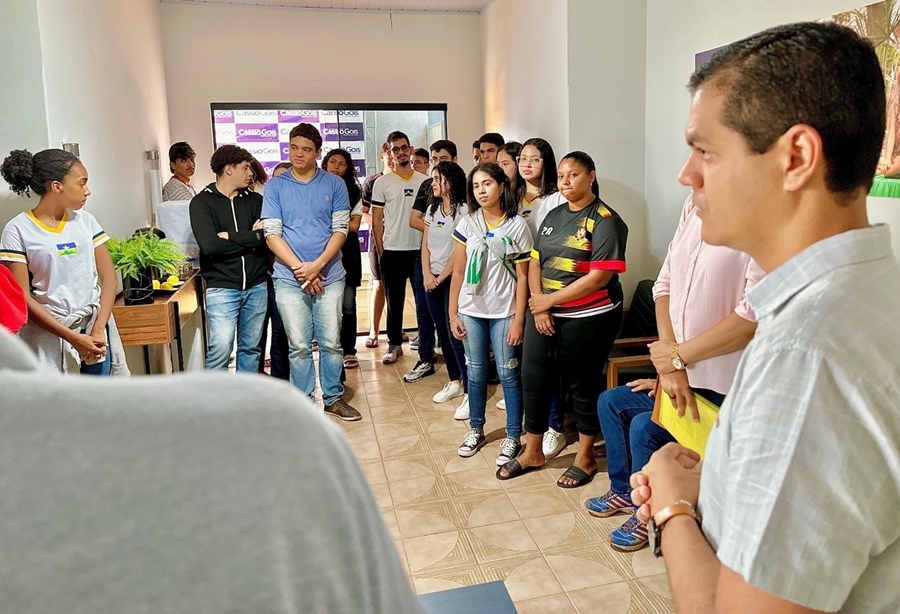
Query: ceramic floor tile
x=374 y=471
x=410 y=445
x=428 y=519
x=382 y=495
x=419 y=490
x=525 y=577
x=539 y=501
x=389 y=413
x=444 y=441
x=401 y=427
x=615 y=599
x=451 y=462
x=644 y=564
x=480 y=510
x=497 y=542
x=411 y=467
x=387 y=398
x=401 y=552
x=563 y=534
x=552 y=604
x=575 y=573
x=479 y=480
x=439 y=552
x=390 y=520
x=366 y=450
x=451 y=578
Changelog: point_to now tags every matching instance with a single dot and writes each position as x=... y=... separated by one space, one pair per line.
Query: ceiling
x=471 y=7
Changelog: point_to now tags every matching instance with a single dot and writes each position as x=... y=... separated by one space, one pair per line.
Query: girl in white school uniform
x=57 y=253
x=488 y=300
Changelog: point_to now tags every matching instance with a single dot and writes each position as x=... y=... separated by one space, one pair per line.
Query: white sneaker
x=462 y=412
x=393 y=354
x=501 y=404
x=554 y=443
x=451 y=390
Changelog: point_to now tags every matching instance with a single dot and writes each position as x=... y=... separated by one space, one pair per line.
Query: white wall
x=675 y=32
x=607 y=65
x=22 y=104
x=105 y=89
x=526 y=87
x=253 y=54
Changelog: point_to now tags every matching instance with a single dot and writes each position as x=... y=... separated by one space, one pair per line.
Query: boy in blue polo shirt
x=306 y=212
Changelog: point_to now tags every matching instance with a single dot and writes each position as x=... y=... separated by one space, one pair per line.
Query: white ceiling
x=473 y=7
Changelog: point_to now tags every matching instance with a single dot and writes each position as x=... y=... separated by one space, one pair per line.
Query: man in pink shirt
x=704 y=324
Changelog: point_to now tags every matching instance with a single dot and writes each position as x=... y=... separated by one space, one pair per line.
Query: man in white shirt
x=398 y=247
x=799 y=491
x=182 y=164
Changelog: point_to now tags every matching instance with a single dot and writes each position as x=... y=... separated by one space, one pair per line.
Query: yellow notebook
x=690 y=434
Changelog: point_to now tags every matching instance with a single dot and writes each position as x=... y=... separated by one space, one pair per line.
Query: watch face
x=677 y=363
x=653 y=531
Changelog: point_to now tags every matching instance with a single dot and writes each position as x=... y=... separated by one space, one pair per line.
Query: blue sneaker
x=609 y=504
x=630 y=537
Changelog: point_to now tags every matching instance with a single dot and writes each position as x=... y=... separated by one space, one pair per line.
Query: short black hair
x=493 y=138
x=307 y=131
x=421 y=152
x=449 y=146
x=586 y=162
x=476 y=144
x=181 y=151
x=396 y=135
x=26 y=173
x=228 y=155
x=819 y=74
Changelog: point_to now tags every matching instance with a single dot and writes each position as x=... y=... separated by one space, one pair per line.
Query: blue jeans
x=227 y=310
x=424 y=320
x=480 y=333
x=454 y=354
x=304 y=316
x=631 y=436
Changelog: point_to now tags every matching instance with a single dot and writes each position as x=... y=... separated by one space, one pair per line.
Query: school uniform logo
x=440 y=224
x=67 y=249
x=525 y=213
x=581 y=233
x=408 y=192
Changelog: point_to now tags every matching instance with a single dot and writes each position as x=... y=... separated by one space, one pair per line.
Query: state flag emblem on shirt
x=66 y=249
x=408 y=192
x=440 y=224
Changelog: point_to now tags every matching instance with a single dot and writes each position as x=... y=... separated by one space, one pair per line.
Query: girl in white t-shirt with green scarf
x=489 y=298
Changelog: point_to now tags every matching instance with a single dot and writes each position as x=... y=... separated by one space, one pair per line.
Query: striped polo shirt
x=570 y=244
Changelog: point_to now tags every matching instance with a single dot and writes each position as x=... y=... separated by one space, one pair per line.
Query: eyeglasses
x=403 y=148
x=523 y=161
x=437 y=160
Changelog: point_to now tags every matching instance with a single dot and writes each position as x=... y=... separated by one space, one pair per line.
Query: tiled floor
x=455 y=524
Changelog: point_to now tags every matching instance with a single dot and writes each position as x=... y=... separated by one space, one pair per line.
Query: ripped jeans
x=479 y=331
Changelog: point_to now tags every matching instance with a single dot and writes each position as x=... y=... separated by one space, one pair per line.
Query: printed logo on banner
x=356 y=149
x=342 y=132
x=285 y=151
x=224 y=117
x=256 y=116
x=360 y=167
x=300 y=115
x=328 y=116
x=257 y=133
x=264 y=153
x=225 y=134
x=351 y=115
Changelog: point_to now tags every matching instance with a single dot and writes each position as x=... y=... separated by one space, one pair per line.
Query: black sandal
x=514 y=469
x=580 y=475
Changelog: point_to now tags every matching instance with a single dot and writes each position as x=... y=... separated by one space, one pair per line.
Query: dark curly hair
x=456 y=180
x=180 y=151
x=349 y=177
x=26 y=173
x=508 y=204
x=260 y=176
x=228 y=155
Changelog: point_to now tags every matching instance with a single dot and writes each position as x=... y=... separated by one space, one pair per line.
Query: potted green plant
x=140 y=259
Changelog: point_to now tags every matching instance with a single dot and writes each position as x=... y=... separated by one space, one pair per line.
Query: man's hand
x=223 y=235
x=258 y=225
x=672 y=475
x=315 y=287
x=379 y=249
x=308 y=271
x=539 y=303
x=678 y=388
x=661 y=355
x=543 y=322
x=643 y=385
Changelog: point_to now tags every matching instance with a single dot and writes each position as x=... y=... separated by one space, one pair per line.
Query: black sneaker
x=422 y=369
x=472 y=443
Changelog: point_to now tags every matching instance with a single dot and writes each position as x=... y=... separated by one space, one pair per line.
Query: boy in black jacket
x=225 y=218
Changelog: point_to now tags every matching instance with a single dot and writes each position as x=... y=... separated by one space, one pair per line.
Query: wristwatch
x=676 y=359
x=659 y=519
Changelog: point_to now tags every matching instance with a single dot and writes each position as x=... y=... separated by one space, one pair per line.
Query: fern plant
x=133 y=256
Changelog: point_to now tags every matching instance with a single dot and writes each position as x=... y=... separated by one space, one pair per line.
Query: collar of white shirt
x=847 y=248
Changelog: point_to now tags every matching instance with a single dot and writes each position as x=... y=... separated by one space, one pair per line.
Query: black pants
x=348 y=321
x=396 y=269
x=278 y=353
x=575 y=354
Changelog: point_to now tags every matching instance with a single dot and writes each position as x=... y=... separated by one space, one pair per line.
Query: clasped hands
x=309 y=275
x=671 y=475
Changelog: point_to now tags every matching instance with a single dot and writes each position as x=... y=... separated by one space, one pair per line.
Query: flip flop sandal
x=371 y=342
x=351 y=362
x=514 y=469
x=583 y=478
